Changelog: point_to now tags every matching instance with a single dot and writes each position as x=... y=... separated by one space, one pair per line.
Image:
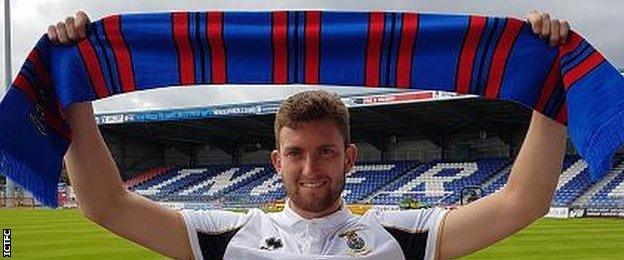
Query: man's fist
x=556 y=31
x=71 y=30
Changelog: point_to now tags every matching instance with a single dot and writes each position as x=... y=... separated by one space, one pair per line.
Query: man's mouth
x=312 y=184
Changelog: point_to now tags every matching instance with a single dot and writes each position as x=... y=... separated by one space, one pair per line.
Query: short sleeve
x=420 y=228
x=211 y=229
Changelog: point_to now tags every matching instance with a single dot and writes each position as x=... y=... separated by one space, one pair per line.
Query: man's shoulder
x=218 y=220
x=414 y=219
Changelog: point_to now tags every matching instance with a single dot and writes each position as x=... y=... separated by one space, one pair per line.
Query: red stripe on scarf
x=24 y=85
x=501 y=53
x=554 y=75
x=469 y=50
x=549 y=85
x=186 y=63
x=409 y=33
x=217 y=48
x=92 y=64
x=373 y=51
x=574 y=40
x=42 y=74
x=585 y=66
x=56 y=123
x=312 y=42
x=112 y=27
x=280 y=47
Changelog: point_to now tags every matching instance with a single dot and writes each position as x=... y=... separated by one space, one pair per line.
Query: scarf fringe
x=43 y=188
x=605 y=142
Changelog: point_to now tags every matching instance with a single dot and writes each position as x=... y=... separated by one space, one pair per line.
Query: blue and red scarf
x=494 y=57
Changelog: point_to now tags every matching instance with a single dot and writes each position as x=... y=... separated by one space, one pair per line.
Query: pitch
x=56 y=234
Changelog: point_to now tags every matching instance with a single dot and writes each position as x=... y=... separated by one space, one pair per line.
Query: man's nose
x=311 y=165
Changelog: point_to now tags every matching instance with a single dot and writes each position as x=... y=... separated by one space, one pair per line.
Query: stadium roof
x=376 y=123
x=213 y=95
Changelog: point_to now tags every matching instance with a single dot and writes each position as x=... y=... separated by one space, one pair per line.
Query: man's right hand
x=71 y=30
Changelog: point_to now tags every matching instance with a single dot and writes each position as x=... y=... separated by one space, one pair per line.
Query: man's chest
x=262 y=238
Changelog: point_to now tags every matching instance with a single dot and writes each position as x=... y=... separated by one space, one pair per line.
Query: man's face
x=313 y=161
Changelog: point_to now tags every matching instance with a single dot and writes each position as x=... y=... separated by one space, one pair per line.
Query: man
x=313 y=154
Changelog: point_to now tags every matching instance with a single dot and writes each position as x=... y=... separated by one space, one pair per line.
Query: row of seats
x=386 y=183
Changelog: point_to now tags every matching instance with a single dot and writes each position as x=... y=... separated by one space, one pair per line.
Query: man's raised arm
x=101 y=194
x=532 y=181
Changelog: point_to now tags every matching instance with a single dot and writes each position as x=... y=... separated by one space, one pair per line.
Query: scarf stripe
x=57 y=124
x=92 y=64
x=217 y=48
x=551 y=81
x=112 y=27
x=198 y=52
x=312 y=42
x=499 y=62
x=480 y=60
x=186 y=63
x=406 y=50
x=582 y=68
x=292 y=47
x=279 y=32
x=107 y=59
x=386 y=49
x=373 y=48
x=43 y=76
x=476 y=27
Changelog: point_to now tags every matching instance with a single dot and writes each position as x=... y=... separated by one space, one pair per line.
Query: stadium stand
x=146 y=175
x=610 y=192
x=437 y=183
x=379 y=183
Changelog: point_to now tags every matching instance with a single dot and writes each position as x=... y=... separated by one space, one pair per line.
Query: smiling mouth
x=312 y=184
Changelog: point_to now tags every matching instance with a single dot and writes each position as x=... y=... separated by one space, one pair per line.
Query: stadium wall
x=133 y=156
x=419 y=150
x=214 y=156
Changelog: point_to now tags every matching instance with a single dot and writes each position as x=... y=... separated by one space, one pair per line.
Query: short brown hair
x=309 y=106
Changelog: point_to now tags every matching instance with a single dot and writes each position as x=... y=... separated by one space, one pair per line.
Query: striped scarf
x=494 y=57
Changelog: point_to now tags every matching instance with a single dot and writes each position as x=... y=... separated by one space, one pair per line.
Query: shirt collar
x=334 y=220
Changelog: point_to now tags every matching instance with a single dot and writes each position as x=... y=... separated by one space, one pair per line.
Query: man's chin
x=314 y=204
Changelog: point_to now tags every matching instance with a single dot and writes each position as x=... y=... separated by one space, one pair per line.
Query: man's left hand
x=554 y=30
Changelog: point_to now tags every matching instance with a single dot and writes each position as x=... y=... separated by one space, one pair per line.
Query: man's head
x=313 y=150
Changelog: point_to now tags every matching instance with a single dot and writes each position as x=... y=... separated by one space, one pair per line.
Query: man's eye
x=327 y=151
x=292 y=153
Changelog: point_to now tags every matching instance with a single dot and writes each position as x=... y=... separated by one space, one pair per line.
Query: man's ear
x=277 y=161
x=350 y=156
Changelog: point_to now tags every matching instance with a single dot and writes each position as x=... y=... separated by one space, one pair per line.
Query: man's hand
x=555 y=30
x=71 y=30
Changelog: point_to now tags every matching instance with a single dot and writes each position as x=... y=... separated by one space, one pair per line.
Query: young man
x=313 y=155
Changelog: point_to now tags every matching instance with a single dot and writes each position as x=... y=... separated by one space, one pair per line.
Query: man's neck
x=317 y=214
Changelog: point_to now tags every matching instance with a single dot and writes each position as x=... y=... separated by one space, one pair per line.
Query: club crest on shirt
x=356 y=244
x=271 y=244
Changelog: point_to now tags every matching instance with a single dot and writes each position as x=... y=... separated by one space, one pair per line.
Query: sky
x=599 y=21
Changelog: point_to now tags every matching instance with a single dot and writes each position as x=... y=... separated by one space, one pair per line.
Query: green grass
x=65 y=234
x=586 y=238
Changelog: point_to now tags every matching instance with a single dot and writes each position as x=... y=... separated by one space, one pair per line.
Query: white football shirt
x=409 y=234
